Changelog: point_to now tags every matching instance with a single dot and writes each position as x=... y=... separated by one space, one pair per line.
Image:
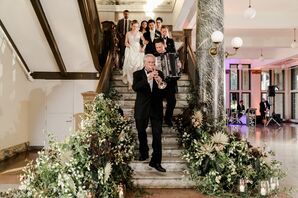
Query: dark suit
x=150 y=47
x=263 y=107
x=121 y=37
x=170 y=45
x=240 y=109
x=169 y=92
x=148 y=105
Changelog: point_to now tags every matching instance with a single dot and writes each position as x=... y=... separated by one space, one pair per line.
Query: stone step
x=125 y=89
x=132 y=96
x=129 y=112
x=119 y=83
x=131 y=103
x=118 y=76
x=167 y=148
x=155 y=179
x=170 y=163
x=164 y=139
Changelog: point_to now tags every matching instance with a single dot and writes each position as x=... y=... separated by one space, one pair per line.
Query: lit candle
x=242 y=183
x=263 y=191
x=242 y=188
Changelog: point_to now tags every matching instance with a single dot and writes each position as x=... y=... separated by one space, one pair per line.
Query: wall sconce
x=217 y=38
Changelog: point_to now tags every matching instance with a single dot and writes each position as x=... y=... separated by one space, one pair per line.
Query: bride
x=134 y=53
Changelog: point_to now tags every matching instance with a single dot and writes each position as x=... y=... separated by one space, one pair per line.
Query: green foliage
x=217 y=160
x=92 y=161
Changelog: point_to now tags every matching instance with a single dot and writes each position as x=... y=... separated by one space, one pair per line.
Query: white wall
x=29 y=109
x=13 y=103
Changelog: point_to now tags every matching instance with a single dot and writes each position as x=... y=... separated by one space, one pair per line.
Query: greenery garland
x=217 y=160
x=92 y=162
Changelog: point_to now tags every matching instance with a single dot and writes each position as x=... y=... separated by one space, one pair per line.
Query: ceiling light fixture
x=294 y=44
x=250 y=12
x=261 y=57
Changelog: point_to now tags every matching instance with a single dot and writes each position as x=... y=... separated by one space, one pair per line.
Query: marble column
x=210 y=69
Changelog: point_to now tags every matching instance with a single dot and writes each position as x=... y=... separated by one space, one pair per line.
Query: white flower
x=220 y=138
x=197 y=119
x=107 y=171
x=207 y=148
x=66 y=156
x=217 y=179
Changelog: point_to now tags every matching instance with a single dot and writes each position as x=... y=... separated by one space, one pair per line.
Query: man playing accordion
x=170 y=65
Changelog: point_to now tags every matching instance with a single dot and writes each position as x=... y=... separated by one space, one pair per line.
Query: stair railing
x=188 y=57
x=105 y=76
x=110 y=60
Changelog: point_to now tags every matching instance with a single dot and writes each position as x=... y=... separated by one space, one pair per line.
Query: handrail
x=192 y=55
x=105 y=75
x=192 y=71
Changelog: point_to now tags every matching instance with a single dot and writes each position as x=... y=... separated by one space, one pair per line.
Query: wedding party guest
x=158 y=22
x=148 y=105
x=134 y=53
x=169 y=42
x=171 y=88
x=144 y=26
x=264 y=110
x=240 y=108
x=150 y=36
x=123 y=26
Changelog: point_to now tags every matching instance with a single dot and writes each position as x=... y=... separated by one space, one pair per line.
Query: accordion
x=168 y=63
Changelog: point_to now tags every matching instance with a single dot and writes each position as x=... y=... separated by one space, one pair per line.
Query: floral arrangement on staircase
x=218 y=160
x=92 y=162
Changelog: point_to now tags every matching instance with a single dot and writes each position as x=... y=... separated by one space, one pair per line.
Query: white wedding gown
x=134 y=58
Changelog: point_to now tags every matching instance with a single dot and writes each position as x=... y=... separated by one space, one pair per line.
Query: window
x=294 y=93
x=240 y=80
x=279 y=79
x=294 y=98
x=246 y=100
x=245 y=77
x=279 y=104
x=234 y=85
x=234 y=98
x=294 y=79
x=265 y=80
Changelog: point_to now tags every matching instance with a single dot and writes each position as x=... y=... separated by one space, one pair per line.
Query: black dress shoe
x=169 y=123
x=158 y=167
x=142 y=158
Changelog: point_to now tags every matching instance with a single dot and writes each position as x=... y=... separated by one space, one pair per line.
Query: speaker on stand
x=271 y=93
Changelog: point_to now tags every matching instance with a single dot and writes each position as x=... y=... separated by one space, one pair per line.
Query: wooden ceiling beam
x=49 y=35
x=70 y=76
x=90 y=19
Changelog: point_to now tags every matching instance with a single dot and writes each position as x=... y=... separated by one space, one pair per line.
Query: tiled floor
x=282 y=140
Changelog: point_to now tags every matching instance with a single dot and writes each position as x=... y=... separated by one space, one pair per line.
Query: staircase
x=144 y=175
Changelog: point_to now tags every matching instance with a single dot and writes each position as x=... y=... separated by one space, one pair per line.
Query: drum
x=168 y=64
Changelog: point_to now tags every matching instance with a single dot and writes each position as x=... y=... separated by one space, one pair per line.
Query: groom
x=148 y=105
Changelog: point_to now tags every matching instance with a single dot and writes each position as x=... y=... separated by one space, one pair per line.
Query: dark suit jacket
x=170 y=45
x=148 y=103
x=120 y=28
x=240 y=107
x=150 y=47
x=262 y=106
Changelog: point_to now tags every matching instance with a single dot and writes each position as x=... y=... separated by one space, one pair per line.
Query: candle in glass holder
x=263 y=190
x=120 y=191
x=272 y=183
x=242 y=185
